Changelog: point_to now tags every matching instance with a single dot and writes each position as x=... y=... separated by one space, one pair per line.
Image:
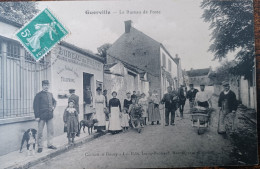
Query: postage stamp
x=41 y=34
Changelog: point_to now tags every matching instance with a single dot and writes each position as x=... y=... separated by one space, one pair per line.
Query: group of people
x=44 y=105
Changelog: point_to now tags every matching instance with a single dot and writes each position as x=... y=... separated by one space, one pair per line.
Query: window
x=164 y=59
x=13 y=50
x=169 y=65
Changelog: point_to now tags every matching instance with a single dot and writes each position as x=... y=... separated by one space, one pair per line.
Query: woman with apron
x=115 y=113
x=100 y=114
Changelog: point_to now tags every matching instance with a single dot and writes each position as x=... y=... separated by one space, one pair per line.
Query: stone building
x=198 y=76
x=137 y=49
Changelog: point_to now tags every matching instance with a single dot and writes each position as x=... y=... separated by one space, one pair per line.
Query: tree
x=232 y=28
x=19 y=12
x=102 y=50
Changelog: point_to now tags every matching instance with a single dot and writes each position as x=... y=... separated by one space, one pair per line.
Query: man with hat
x=43 y=106
x=203 y=98
x=228 y=103
x=191 y=94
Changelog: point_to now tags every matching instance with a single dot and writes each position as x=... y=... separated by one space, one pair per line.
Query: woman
x=115 y=113
x=153 y=108
x=143 y=102
x=128 y=100
x=99 y=114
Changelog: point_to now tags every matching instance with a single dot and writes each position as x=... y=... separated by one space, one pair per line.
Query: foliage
x=232 y=28
x=19 y=12
x=102 y=50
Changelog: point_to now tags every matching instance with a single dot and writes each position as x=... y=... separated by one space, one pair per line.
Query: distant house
x=136 y=48
x=198 y=76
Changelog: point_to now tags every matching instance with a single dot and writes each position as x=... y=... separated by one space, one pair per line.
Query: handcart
x=200 y=118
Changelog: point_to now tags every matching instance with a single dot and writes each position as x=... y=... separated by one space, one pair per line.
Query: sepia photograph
x=127 y=84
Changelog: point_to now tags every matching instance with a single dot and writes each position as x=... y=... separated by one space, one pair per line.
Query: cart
x=136 y=119
x=200 y=118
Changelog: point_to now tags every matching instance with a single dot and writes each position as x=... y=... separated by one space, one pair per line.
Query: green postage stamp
x=41 y=34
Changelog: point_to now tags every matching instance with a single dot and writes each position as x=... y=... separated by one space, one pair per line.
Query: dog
x=87 y=123
x=30 y=137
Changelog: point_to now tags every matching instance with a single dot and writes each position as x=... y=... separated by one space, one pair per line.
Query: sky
x=178 y=25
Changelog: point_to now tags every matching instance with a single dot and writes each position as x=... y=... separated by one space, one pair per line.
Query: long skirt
x=154 y=113
x=72 y=125
x=101 y=117
x=114 y=120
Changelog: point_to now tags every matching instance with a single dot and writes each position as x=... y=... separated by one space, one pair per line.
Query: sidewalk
x=22 y=160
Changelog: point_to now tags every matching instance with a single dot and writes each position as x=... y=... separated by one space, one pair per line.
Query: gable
x=137 y=49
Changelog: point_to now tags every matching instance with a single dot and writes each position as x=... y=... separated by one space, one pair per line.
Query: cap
x=225 y=83
x=45 y=82
x=71 y=101
x=98 y=89
x=128 y=92
x=71 y=90
x=202 y=84
x=191 y=84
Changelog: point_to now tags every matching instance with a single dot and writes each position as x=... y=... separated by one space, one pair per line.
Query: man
x=75 y=98
x=134 y=96
x=170 y=100
x=106 y=104
x=182 y=100
x=228 y=104
x=88 y=99
x=191 y=94
x=43 y=106
x=203 y=98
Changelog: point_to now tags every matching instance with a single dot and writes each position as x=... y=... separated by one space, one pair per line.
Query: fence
x=20 y=80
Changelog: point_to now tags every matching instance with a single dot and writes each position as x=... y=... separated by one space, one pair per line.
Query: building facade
x=199 y=76
x=66 y=66
x=136 y=48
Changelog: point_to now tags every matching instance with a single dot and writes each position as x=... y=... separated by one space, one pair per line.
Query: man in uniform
x=43 y=106
x=191 y=94
x=228 y=104
x=170 y=100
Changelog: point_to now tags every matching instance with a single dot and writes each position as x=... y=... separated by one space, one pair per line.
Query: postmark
x=41 y=34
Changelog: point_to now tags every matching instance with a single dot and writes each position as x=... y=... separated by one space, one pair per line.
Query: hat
x=191 y=84
x=128 y=92
x=45 y=82
x=71 y=101
x=98 y=89
x=225 y=83
x=71 y=90
x=202 y=84
x=114 y=92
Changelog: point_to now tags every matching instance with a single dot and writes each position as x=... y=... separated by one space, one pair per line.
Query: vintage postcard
x=135 y=84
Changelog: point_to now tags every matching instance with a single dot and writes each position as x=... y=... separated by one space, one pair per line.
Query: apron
x=222 y=114
x=114 y=120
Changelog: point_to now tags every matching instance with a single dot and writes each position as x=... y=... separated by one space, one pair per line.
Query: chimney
x=128 y=25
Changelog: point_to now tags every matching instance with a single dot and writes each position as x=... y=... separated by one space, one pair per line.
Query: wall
x=67 y=73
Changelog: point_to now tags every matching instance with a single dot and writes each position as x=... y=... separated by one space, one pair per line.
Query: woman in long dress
x=143 y=102
x=115 y=113
x=153 y=107
x=100 y=114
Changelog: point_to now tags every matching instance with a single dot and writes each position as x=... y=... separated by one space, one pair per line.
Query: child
x=71 y=120
x=144 y=103
x=125 y=120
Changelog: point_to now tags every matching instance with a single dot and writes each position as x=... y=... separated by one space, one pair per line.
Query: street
x=156 y=146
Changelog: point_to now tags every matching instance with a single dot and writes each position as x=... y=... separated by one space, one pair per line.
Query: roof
x=10 y=22
x=198 y=72
x=82 y=51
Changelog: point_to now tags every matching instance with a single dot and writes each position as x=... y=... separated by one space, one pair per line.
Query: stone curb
x=60 y=150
